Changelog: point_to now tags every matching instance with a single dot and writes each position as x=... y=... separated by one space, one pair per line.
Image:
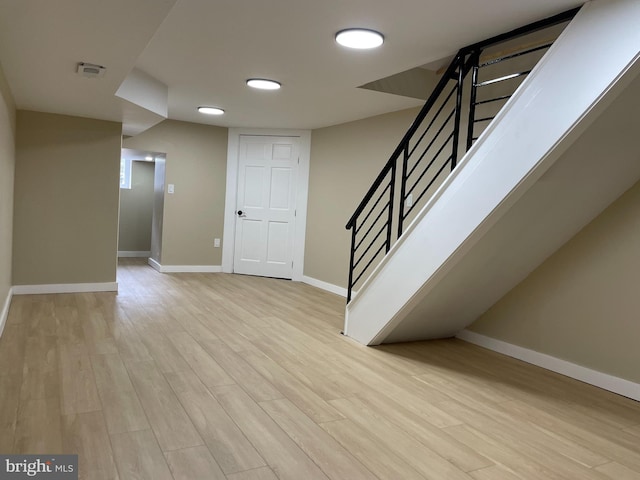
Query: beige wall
x=7 y=164
x=196 y=164
x=582 y=303
x=136 y=209
x=345 y=159
x=66 y=199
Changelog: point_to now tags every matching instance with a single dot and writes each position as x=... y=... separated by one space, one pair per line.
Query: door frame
x=230 y=207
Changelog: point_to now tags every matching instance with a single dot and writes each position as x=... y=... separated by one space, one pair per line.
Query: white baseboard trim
x=65 y=288
x=191 y=268
x=329 y=287
x=185 y=268
x=5 y=310
x=133 y=254
x=602 y=380
x=154 y=264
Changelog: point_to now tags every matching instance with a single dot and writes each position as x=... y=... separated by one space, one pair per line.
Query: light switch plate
x=170 y=188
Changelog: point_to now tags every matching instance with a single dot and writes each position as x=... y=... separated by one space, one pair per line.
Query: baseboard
x=587 y=375
x=329 y=287
x=191 y=268
x=154 y=264
x=65 y=288
x=185 y=268
x=5 y=310
x=133 y=254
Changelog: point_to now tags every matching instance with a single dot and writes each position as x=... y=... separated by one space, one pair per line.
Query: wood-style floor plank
x=68 y=323
x=615 y=471
x=336 y=462
x=495 y=472
x=302 y=396
x=501 y=453
x=41 y=352
x=85 y=435
x=42 y=321
x=110 y=372
x=635 y=430
x=194 y=322
x=424 y=460
x=138 y=456
x=211 y=374
x=165 y=354
x=122 y=410
x=284 y=457
x=232 y=377
x=241 y=372
x=9 y=401
x=623 y=449
x=78 y=391
x=97 y=334
x=228 y=445
x=12 y=348
x=559 y=458
x=460 y=455
x=120 y=403
x=39 y=383
x=195 y=463
x=130 y=345
x=38 y=429
x=264 y=473
x=168 y=419
x=376 y=457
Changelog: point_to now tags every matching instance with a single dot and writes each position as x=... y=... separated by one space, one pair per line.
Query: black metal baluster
x=352 y=256
x=456 y=125
x=391 y=200
x=472 y=104
x=403 y=188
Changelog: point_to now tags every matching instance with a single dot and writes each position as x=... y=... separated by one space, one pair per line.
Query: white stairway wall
x=456 y=259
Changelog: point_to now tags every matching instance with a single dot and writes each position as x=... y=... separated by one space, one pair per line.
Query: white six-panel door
x=265 y=207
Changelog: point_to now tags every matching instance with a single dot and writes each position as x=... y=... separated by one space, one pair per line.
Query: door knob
x=241 y=213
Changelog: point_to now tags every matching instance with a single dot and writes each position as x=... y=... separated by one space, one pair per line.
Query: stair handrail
x=465 y=60
x=413 y=128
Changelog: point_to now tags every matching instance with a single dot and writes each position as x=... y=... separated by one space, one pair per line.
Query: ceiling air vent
x=91 y=70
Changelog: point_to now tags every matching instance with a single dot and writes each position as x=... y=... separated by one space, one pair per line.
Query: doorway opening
x=142 y=176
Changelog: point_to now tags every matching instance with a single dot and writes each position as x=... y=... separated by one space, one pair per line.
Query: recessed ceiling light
x=263 y=84
x=360 y=38
x=211 y=110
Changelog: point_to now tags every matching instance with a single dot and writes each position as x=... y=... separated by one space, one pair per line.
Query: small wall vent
x=91 y=70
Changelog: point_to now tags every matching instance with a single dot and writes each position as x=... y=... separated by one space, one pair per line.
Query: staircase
x=443 y=234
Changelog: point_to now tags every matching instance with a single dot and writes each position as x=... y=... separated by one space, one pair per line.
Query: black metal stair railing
x=432 y=145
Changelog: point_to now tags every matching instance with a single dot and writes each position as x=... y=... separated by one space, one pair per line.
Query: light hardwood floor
x=215 y=376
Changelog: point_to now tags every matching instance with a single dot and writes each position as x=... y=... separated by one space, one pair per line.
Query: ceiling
x=204 y=50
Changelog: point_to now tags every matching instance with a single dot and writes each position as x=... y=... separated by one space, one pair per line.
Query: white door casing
x=265 y=206
x=303 y=139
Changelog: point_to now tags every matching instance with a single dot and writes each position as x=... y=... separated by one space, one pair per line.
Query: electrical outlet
x=216 y=243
